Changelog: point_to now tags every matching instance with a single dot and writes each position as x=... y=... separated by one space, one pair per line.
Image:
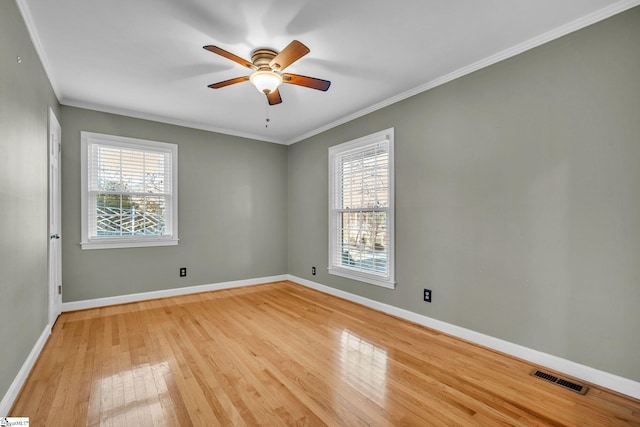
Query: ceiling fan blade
x=231 y=56
x=229 y=82
x=311 y=82
x=274 y=97
x=290 y=54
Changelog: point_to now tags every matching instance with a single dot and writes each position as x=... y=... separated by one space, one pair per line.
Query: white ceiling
x=144 y=58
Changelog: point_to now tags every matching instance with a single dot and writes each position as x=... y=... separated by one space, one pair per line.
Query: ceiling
x=145 y=59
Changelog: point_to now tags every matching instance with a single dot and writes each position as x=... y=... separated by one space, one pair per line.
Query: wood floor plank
x=280 y=354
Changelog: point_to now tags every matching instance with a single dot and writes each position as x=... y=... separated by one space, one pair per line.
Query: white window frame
x=336 y=152
x=108 y=242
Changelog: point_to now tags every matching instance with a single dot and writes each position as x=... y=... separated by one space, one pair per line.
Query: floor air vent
x=573 y=386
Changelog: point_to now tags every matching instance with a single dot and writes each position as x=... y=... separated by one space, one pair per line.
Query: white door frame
x=55 y=222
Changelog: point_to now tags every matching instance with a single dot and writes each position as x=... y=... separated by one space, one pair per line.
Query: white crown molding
x=556 y=33
x=37 y=44
x=563 y=30
x=595 y=376
x=165 y=120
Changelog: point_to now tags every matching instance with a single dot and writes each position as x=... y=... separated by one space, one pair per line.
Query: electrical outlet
x=427 y=295
x=183 y=271
x=313 y=271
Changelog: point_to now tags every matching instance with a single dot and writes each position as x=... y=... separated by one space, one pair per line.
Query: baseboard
x=123 y=299
x=11 y=395
x=601 y=378
x=15 y=387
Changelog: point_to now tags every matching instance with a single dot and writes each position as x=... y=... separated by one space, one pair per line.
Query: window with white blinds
x=129 y=192
x=361 y=217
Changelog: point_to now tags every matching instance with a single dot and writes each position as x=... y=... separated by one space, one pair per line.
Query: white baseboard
x=601 y=378
x=123 y=299
x=11 y=395
x=15 y=387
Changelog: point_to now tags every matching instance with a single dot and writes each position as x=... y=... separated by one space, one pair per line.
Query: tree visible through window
x=361 y=211
x=129 y=192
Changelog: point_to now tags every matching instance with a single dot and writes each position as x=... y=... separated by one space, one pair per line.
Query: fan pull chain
x=266 y=113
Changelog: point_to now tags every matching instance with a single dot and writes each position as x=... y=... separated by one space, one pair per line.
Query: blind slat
x=127 y=170
x=130 y=190
x=359 y=203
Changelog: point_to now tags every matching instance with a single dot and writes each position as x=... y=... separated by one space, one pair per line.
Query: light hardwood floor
x=282 y=354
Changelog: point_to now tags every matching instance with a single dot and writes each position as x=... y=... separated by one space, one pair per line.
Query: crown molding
x=165 y=120
x=556 y=33
x=37 y=44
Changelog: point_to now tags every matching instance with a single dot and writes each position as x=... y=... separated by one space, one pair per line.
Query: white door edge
x=55 y=223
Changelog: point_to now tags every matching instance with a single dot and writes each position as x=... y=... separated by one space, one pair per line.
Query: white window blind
x=129 y=192
x=361 y=209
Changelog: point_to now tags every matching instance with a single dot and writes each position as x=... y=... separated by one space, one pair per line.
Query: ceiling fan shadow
x=221 y=21
x=312 y=15
x=345 y=69
x=197 y=70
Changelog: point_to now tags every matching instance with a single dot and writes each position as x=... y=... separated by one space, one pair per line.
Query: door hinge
x=59 y=289
x=59 y=148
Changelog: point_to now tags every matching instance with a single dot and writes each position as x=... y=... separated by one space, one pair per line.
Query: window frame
x=112 y=242
x=335 y=153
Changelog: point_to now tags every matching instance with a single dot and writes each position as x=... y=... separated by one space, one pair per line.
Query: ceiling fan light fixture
x=266 y=81
x=268 y=66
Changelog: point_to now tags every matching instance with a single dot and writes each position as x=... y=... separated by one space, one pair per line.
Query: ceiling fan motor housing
x=262 y=57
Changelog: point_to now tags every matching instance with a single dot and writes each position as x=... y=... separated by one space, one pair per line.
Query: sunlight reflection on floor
x=363 y=365
x=137 y=392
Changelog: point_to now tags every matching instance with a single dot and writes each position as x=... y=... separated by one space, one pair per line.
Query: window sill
x=362 y=277
x=127 y=243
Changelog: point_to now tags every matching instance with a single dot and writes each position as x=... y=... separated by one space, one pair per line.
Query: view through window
x=361 y=217
x=129 y=192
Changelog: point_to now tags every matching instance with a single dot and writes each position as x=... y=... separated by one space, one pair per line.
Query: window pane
x=129 y=195
x=361 y=209
x=133 y=170
x=125 y=215
x=109 y=215
x=364 y=178
x=154 y=179
x=129 y=170
x=363 y=241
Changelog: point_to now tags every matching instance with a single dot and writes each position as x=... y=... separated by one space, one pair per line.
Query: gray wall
x=517 y=199
x=25 y=96
x=232 y=199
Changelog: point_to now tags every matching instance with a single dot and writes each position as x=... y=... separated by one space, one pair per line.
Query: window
x=361 y=225
x=129 y=192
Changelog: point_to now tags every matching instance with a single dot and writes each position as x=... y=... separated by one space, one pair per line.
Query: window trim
x=86 y=138
x=387 y=281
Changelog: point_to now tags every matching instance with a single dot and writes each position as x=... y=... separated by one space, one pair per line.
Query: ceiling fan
x=268 y=66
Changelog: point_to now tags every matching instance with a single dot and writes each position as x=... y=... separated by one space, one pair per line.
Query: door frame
x=54 y=219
